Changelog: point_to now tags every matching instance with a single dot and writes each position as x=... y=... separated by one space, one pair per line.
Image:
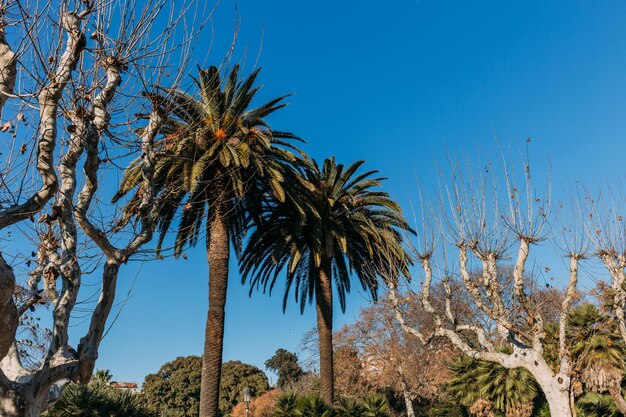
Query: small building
x=125 y=386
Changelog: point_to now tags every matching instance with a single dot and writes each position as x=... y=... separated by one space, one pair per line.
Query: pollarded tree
x=333 y=225
x=79 y=70
x=486 y=219
x=217 y=164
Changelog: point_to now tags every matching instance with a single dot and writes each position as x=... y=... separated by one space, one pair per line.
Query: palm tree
x=103 y=376
x=597 y=352
x=217 y=163
x=512 y=391
x=333 y=225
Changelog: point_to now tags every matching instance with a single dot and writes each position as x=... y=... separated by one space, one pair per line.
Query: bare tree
x=491 y=221
x=76 y=91
x=392 y=359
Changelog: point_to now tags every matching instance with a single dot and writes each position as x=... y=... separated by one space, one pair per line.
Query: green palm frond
x=313 y=406
x=216 y=152
x=507 y=389
x=326 y=214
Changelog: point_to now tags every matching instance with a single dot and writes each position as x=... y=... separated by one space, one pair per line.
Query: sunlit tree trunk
x=324 y=304
x=218 y=255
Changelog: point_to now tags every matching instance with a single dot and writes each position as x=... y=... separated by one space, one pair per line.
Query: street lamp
x=246 y=398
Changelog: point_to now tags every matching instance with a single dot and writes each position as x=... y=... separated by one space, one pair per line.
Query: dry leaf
x=6 y=127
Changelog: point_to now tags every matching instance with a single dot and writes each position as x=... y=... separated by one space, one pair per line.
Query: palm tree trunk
x=218 y=254
x=618 y=398
x=324 y=302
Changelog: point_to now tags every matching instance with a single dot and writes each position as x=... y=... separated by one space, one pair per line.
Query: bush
x=313 y=406
x=447 y=408
x=98 y=400
x=348 y=407
x=286 y=405
x=376 y=406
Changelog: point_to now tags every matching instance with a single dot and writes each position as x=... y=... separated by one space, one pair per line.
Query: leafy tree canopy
x=175 y=388
x=236 y=376
x=285 y=364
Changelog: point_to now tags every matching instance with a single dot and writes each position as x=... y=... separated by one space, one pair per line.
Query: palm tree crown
x=335 y=217
x=214 y=148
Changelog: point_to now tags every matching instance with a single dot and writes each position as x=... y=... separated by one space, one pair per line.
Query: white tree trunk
x=15 y=404
x=407 y=400
x=554 y=388
x=406 y=393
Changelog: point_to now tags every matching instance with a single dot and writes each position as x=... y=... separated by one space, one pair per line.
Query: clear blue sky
x=399 y=83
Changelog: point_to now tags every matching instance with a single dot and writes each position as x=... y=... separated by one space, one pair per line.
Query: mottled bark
x=88 y=346
x=218 y=255
x=8 y=67
x=49 y=98
x=324 y=305
x=9 y=319
x=408 y=403
x=17 y=404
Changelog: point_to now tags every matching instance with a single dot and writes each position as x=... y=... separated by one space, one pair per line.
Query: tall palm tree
x=333 y=225
x=217 y=163
x=597 y=352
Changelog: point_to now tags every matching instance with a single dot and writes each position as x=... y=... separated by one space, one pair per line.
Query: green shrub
x=447 y=408
x=286 y=405
x=313 y=406
x=98 y=400
x=376 y=406
x=348 y=407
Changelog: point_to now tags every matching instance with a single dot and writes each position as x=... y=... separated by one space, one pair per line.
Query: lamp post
x=246 y=399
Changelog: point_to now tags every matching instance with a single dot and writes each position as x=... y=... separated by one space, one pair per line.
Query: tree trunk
x=13 y=404
x=218 y=254
x=406 y=393
x=557 y=397
x=324 y=302
x=618 y=398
